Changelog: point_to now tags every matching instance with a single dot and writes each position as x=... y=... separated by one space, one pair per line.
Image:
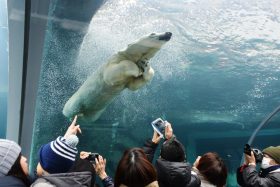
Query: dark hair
x=212 y=167
x=18 y=172
x=173 y=150
x=84 y=165
x=134 y=169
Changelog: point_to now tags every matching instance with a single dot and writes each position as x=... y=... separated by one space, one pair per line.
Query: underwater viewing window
x=4 y=52
x=215 y=79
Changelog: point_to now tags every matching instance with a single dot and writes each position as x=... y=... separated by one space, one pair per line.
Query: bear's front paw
x=148 y=72
x=147 y=68
x=142 y=64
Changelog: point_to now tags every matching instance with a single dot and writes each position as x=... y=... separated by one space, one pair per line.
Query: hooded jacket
x=11 y=181
x=171 y=174
x=247 y=176
x=175 y=174
x=75 y=179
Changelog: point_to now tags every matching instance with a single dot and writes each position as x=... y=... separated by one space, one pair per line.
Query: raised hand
x=84 y=154
x=156 y=137
x=195 y=164
x=100 y=166
x=168 y=130
x=250 y=158
x=73 y=128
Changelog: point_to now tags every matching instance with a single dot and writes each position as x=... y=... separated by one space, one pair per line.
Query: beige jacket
x=204 y=182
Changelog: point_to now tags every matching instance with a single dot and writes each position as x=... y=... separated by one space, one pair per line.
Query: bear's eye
x=153 y=34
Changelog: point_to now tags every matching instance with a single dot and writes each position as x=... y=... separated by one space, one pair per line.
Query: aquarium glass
x=3 y=67
x=215 y=80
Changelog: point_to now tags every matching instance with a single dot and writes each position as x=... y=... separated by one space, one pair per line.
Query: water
x=3 y=67
x=3 y=114
x=215 y=81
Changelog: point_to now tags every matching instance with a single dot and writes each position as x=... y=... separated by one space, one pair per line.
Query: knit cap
x=59 y=155
x=9 y=152
x=273 y=152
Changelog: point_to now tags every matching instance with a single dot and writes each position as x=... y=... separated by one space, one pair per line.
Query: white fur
x=120 y=72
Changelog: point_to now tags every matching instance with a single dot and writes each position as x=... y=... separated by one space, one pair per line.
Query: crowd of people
x=59 y=165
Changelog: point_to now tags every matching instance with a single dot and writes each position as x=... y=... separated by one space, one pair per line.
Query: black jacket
x=11 y=181
x=247 y=176
x=171 y=174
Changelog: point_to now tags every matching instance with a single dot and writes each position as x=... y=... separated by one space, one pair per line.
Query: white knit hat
x=9 y=152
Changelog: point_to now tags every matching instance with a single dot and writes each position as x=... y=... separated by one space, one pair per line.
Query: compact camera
x=257 y=153
x=159 y=126
x=91 y=157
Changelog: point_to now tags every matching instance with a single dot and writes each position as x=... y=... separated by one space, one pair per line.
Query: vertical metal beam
x=16 y=11
x=34 y=44
x=25 y=62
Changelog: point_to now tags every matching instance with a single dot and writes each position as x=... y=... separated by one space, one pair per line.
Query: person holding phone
x=172 y=166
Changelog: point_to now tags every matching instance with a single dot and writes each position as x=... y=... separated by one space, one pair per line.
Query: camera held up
x=257 y=153
x=91 y=157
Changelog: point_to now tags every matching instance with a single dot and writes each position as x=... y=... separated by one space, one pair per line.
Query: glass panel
x=3 y=67
x=16 y=10
x=215 y=80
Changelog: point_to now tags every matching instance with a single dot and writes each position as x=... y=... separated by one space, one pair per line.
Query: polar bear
x=129 y=68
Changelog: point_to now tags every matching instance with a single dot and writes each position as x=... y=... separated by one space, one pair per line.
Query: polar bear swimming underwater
x=129 y=68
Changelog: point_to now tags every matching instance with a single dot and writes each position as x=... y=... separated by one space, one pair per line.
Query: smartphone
x=159 y=126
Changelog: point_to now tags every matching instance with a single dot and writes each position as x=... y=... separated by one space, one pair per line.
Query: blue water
x=3 y=67
x=3 y=114
x=215 y=81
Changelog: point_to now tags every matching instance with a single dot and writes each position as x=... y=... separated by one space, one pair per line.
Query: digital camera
x=257 y=153
x=91 y=157
x=159 y=126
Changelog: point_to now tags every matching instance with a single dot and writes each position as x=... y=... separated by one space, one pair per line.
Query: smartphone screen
x=159 y=126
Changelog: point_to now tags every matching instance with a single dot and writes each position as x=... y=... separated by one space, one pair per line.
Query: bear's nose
x=166 y=36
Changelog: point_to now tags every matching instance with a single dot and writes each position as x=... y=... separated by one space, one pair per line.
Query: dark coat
x=171 y=174
x=108 y=182
x=248 y=176
x=74 y=179
x=11 y=181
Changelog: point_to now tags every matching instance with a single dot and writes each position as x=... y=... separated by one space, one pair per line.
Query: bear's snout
x=166 y=36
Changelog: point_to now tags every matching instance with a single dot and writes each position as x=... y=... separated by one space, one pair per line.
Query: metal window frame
x=24 y=67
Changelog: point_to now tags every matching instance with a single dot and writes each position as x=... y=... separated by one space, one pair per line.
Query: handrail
x=263 y=123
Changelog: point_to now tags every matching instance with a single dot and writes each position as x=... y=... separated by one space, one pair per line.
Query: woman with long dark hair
x=13 y=166
x=134 y=170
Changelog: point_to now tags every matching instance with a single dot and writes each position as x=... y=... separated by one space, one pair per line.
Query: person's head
x=172 y=150
x=57 y=156
x=12 y=162
x=213 y=169
x=81 y=165
x=271 y=157
x=134 y=170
